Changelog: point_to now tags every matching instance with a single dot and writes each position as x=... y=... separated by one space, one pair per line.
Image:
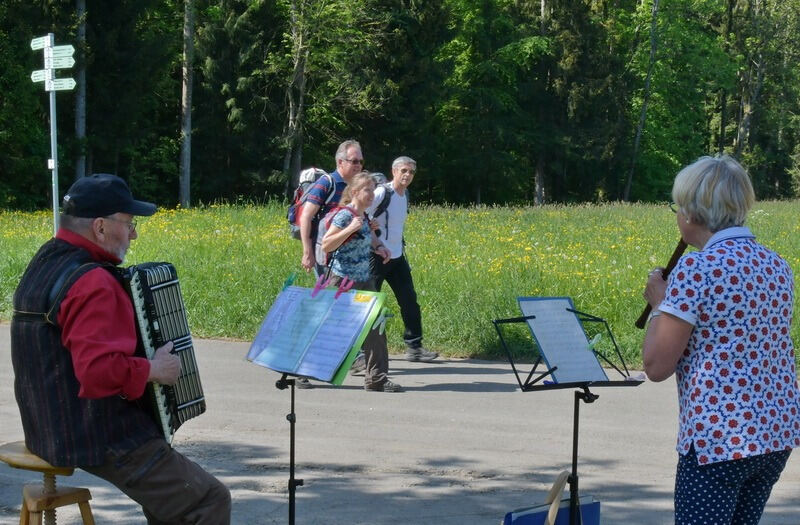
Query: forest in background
x=500 y=101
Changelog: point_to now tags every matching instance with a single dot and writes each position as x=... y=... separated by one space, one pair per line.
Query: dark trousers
x=376 y=352
x=728 y=492
x=397 y=273
x=169 y=487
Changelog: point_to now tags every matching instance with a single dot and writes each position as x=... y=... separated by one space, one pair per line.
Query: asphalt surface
x=462 y=445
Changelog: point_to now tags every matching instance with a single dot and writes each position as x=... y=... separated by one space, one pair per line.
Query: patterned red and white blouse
x=737 y=385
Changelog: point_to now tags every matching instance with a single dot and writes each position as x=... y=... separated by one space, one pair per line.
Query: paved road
x=461 y=446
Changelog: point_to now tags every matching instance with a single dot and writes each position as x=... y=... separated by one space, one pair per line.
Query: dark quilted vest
x=60 y=427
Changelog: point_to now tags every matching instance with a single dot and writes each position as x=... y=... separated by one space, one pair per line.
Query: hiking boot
x=303 y=383
x=358 y=366
x=386 y=386
x=391 y=386
x=420 y=354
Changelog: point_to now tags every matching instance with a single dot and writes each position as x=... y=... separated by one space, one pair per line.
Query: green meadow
x=469 y=264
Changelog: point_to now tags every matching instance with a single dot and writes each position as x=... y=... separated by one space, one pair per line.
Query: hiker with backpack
x=325 y=195
x=390 y=209
x=350 y=243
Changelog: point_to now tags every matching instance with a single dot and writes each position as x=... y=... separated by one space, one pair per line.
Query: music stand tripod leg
x=282 y=384
x=574 y=507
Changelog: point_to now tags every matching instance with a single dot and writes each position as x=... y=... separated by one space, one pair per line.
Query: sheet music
x=282 y=311
x=561 y=339
x=311 y=336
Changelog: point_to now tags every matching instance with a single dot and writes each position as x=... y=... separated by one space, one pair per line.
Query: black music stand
x=314 y=333
x=281 y=384
x=571 y=361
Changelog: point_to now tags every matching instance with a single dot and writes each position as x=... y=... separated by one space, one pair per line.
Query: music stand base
x=574 y=507
x=281 y=384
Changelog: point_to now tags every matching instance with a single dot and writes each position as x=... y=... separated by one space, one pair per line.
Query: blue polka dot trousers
x=728 y=492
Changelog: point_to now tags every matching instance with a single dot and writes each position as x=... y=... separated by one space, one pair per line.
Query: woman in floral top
x=721 y=325
x=349 y=242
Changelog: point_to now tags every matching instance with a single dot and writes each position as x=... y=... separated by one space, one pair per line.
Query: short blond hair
x=715 y=192
x=358 y=181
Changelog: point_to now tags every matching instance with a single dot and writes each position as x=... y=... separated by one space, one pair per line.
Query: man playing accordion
x=77 y=380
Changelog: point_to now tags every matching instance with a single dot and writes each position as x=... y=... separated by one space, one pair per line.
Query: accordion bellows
x=161 y=317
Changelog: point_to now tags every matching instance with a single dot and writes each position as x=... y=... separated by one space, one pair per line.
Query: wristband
x=654 y=313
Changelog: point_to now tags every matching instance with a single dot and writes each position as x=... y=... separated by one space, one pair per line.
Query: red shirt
x=99 y=330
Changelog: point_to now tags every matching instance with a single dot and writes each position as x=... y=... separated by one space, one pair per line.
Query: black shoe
x=386 y=386
x=420 y=354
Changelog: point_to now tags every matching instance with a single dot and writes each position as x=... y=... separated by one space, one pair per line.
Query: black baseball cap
x=100 y=195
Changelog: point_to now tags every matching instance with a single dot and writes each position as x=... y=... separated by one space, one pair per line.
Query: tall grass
x=469 y=264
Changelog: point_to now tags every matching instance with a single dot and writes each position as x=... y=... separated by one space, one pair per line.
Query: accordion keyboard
x=161 y=317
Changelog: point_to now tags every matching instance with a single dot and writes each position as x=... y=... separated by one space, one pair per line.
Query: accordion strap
x=59 y=289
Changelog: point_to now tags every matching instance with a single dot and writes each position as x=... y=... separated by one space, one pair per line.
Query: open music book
x=561 y=343
x=561 y=339
x=315 y=336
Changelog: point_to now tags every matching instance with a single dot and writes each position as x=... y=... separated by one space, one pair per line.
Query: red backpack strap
x=331 y=214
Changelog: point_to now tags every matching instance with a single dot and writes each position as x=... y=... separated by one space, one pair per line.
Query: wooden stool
x=44 y=498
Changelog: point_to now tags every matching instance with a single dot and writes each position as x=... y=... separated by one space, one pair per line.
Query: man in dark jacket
x=77 y=378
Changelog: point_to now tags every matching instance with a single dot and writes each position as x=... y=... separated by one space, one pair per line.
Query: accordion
x=161 y=317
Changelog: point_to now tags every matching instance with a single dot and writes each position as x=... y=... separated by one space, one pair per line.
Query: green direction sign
x=59 y=84
x=39 y=75
x=58 y=62
x=40 y=42
x=62 y=51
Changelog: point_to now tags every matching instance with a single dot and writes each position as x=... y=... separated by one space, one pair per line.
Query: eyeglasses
x=130 y=224
x=673 y=207
x=360 y=162
x=408 y=170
